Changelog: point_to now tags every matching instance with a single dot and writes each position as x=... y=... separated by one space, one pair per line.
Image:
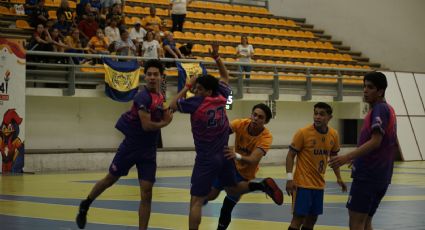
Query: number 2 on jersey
x=215 y=116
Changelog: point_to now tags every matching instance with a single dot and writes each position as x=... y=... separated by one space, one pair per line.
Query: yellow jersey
x=151 y=23
x=313 y=150
x=245 y=144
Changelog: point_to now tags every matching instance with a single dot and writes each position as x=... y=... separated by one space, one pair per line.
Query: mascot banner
x=12 y=105
x=185 y=71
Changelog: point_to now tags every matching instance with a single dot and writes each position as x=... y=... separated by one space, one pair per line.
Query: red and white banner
x=12 y=105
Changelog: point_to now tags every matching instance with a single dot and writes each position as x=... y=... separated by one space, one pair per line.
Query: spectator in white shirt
x=137 y=33
x=150 y=47
x=112 y=31
x=125 y=47
x=244 y=52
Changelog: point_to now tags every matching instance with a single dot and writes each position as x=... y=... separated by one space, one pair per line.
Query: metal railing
x=71 y=75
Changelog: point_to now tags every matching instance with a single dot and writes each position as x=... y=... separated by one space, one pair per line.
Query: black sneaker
x=81 y=218
x=272 y=190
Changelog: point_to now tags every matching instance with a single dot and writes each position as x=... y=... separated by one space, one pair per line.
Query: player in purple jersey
x=373 y=160
x=210 y=128
x=141 y=127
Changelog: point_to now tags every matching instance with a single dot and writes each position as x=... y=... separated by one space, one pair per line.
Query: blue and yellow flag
x=186 y=70
x=122 y=79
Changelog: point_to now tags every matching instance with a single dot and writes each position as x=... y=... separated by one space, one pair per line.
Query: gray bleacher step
x=373 y=65
x=342 y=47
x=352 y=53
x=336 y=43
x=324 y=37
x=305 y=26
x=315 y=31
x=361 y=59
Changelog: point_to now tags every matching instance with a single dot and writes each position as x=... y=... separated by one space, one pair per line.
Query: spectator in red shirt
x=88 y=27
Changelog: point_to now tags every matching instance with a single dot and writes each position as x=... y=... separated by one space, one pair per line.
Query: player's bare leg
x=369 y=223
x=145 y=203
x=195 y=213
x=357 y=220
x=296 y=222
x=309 y=222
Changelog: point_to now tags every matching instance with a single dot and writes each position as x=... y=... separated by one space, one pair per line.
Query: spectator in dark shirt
x=186 y=50
x=30 y=6
x=40 y=15
x=67 y=11
x=62 y=26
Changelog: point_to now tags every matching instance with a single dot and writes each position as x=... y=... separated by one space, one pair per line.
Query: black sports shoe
x=272 y=190
x=81 y=219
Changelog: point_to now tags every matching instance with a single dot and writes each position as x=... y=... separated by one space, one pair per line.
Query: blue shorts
x=209 y=168
x=307 y=202
x=130 y=153
x=365 y=197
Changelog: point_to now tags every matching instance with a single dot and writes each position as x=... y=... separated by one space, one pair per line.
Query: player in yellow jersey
x=312 y=146
x=252 y=141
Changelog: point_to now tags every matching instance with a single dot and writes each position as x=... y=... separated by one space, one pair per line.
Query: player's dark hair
x=325 y=106
x=154 y=63
x=265 y=109
x=378 y=79
x=209 y=83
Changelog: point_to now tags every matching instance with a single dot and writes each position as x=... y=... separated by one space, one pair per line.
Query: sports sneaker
x=272 y=190
x=81 y=217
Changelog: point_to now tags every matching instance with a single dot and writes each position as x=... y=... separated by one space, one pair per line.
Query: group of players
x=219 y=167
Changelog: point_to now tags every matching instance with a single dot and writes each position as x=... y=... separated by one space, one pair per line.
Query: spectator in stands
x=170 y=49
x=40 y=40
x=151 y=47
x=88 y=28
x=178 y=9
x=137 y=33
x=186 y=50
x=98 y=44
x=49 y=25
x=95 y=6
x=58 y=44
x=64 y=9
x=152 y=22
x=88 y=10
x=62 y=25
x=244 y=52
x=112 y=31
x=40 y=15
x=159 y=39
x=74 y=45
x=30 y=6
x=115 y=13
x=125 y=47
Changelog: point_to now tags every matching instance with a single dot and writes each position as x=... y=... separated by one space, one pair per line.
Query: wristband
x=289 y=176
x=238 y=156
x=189 y=86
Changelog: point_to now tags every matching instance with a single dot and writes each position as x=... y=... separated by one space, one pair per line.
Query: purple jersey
x=129 y=123
x=210 y=126
x=377 y=166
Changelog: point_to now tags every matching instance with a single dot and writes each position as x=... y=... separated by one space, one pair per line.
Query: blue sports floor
x=49 y=201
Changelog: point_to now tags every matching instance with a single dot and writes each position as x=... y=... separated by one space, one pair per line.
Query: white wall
x=88 y=123
x=390 y=32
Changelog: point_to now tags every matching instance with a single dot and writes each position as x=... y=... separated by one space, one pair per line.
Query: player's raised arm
x=224 y=75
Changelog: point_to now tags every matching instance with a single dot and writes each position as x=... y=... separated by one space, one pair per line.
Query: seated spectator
x=88 y=10
x=40 y=15
x=112 y=31
x=95 y=7
x=125 y=47
x=115 y=13
x=158 y=38
x=151 y=47
x=49 y=25
x=98 y=44
x=58 y=44
x=62 y=25
x=137 y=33
x=186 y=50
x=170 y=48
x=40 y=40
x=152 y=22
x=64 y=9
x=74 y=45
x=88 y=28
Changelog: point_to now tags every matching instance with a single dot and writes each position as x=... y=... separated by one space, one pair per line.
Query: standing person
x=245 y=52
x=178 y=10
x=252 y=142
x=141 y=127
x=373 y=160
x=39 y=14
x=150 y=48
x=312 y=146
x=210 y=128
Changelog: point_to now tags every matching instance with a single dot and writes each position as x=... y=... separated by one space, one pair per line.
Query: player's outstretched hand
x=290 y=187
x=338 y=161
x=229 y=153
x=342 y=185
x=214 y=51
